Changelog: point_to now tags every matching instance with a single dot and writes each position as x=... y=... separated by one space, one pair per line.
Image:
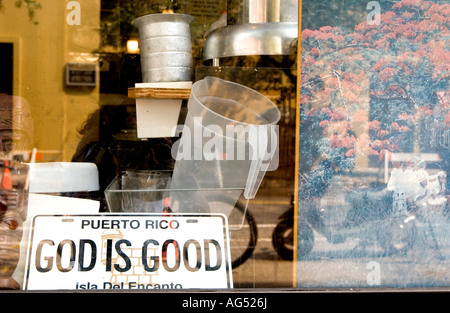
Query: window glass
x=319 y=130
x=374 y=158
x=79 y=137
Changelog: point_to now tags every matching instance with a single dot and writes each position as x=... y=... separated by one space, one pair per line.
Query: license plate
x=128 y=251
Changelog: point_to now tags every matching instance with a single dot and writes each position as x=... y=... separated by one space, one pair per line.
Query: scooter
x=371 y=214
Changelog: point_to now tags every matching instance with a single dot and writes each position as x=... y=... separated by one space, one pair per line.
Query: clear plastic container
x=228 y=140
x=137 y=191
x=148 y=192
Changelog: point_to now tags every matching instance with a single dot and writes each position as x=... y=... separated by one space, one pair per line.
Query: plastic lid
x=53 y=177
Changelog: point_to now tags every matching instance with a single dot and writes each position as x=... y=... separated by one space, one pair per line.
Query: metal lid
x=250 y=39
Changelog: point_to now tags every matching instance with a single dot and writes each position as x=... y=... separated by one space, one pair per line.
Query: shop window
x=354 y=103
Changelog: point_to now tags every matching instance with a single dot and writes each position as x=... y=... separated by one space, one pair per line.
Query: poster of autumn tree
x=374 y=141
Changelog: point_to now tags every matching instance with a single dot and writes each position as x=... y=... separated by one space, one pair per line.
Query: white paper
x=157 y=118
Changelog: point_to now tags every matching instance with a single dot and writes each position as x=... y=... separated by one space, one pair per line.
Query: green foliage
x=118 y=25
x=31 y=5
x=366 y=87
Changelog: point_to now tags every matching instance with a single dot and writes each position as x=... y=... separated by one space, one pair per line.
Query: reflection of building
x=40 y=52
x=136 y=273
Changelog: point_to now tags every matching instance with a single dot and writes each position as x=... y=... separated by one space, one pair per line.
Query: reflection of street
x=265 y=269
x=349 y=263
x=353 y=229
x=342 y=264
x=346 y=264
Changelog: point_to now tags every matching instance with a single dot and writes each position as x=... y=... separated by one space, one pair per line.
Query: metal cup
x=165 y=47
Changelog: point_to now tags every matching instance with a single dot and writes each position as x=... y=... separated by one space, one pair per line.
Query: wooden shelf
x=159 y=93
